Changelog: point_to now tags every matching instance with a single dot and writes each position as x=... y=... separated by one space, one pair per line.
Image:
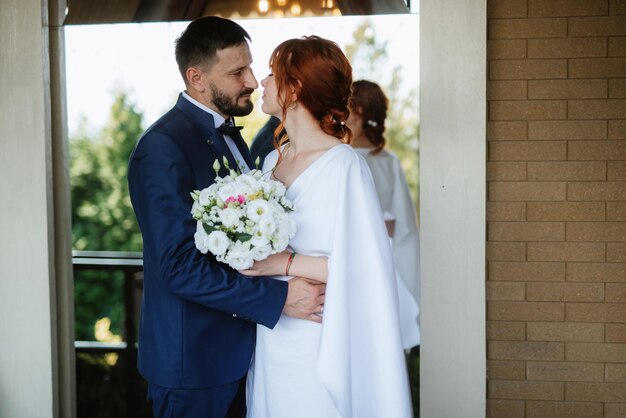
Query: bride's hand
x=274 y=265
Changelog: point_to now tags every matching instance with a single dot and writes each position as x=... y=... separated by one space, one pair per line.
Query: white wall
x=29 y=366
x=452 y=207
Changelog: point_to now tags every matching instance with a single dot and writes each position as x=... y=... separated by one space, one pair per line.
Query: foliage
x=370 y=62
x=102 y=216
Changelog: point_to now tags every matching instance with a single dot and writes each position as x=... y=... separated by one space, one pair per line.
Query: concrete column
x=35 y=357
x=452 y=207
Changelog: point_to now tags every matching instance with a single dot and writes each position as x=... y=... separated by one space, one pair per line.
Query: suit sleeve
x=160 y=183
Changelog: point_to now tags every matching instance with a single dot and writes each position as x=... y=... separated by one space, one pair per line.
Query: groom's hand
x=305 y=299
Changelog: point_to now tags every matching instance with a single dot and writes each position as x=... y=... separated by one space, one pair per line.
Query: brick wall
x=556 y=208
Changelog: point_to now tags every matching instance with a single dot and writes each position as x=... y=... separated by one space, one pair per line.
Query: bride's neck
x=304 y=133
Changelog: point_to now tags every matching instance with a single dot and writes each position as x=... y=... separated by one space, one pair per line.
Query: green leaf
x=243 y=237
x=208 y=228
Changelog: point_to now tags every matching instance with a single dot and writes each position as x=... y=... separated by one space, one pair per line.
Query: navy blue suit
x=198 y=316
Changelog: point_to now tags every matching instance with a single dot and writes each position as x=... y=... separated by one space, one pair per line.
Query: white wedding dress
x=352 y=365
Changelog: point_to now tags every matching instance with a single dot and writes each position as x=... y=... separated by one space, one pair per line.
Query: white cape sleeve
x=361 y=361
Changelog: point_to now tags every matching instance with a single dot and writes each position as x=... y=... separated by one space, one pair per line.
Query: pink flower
x=241 y=199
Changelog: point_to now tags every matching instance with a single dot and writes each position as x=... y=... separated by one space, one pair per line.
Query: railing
x=124 y=378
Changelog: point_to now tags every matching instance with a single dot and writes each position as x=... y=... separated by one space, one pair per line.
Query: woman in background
x=368 y=111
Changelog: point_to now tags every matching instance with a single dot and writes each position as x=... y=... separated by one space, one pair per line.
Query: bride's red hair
x=321 y=76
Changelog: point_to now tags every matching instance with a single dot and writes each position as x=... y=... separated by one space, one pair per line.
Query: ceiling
x=80 y=12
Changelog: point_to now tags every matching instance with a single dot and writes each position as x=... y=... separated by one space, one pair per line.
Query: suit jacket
x=199 y=316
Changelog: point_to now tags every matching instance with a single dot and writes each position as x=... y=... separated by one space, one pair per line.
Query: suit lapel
x=243 y=149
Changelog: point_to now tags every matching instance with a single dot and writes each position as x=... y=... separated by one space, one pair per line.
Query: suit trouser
x=227 y=401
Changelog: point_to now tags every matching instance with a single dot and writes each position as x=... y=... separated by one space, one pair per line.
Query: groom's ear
x=193 y=77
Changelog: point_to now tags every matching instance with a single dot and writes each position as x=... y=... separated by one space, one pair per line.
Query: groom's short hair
x=203 y=37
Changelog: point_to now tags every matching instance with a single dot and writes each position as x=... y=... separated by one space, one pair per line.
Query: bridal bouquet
x=242 y=218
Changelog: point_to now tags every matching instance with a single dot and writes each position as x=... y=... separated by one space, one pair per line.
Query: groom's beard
x=227 y=105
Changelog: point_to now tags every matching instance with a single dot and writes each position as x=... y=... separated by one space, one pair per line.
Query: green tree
x=369 y=60
x=102 y=215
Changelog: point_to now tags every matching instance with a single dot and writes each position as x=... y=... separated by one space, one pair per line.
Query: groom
x=198 y=319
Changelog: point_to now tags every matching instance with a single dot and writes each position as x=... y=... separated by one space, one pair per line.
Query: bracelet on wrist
x=289 y=262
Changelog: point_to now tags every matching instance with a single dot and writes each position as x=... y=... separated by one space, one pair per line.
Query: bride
x=351 y=364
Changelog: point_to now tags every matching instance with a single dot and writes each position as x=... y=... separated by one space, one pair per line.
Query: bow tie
x=229 y=128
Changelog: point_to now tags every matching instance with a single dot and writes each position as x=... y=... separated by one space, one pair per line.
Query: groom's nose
x=250 y=80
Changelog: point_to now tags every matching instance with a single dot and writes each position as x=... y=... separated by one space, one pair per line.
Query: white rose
x=201 y=238
x=259 y=240
x=261 y=253
x=196 y=210
x=218 y=242
x=247 y=182
x=239 y=256
x=267 y=225
x=256 y=209
x=205 y=197
x=230 y=217
x=227 y=190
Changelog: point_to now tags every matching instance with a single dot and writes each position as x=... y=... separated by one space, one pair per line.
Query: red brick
x=617 y=46
x=565 y=292
x=505 y=291
x=567 y=171
x=528 y=150
x=567 y=89
x=527 y=272
x=616 y=170
x=506 y=331
x=565 y=331
x=567 y=48
x=515 y=389
x=506 y=251
x=506 y=48
x=506 y=8
x=609 y=190
x=554 y=409
x=600 y=352
x=565 y=251
x=617 y=88
x=597 y=67
x=506 y=171
x=595 y=26
x=526 y=231
x=506 y=370
x=595 y=392
x=616 y=211
x=566 y=211
x=506 y=211
x=596 y=272
x=525 y=311
x=504 y=408
x=533 y=110
x=596 y=109
x=596 y=231
x=615 y=373
x=506 y=131
x=617 y=7
x=596 y=150
x=570 y=129
x=616 y=333
x=615 y=410
x=595 y=312
x=552 y=8
x=616 y=252
x=617 y=129
x=565 y=371
x=506 y=90
x=528 y=28
x=615 y=292
x=527 y=69
x=525 y=350
x=526 y=191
